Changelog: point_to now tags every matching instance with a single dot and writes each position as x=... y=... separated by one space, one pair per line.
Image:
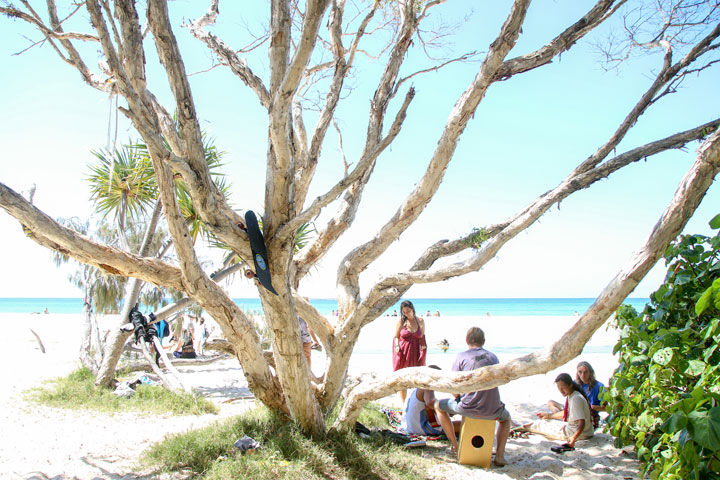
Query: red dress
x=413 y=349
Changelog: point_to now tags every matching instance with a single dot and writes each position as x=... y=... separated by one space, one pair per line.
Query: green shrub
x=664 y=397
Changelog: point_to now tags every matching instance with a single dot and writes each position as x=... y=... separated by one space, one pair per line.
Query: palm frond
x=132 y=181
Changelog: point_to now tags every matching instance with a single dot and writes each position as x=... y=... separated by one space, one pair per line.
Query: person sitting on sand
x=187 y=350
x=585 y=377
x=484 y=404
x=593 y=390
x=415 y=420
x=575 y=421
x=177 y=328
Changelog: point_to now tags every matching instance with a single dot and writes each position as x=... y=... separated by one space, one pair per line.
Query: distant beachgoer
x=187 y=350
x=176 y=344
x=394 y=314
x=427 y=314
x=483 y=404
x=575 y=418
x=444 y=345
x=409 y=345
x=201 y=335
x=437 y=313
x=487 y=314
x=307 y=341
x=46 y=310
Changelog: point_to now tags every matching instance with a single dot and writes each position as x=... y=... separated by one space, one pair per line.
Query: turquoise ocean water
x=446 y=306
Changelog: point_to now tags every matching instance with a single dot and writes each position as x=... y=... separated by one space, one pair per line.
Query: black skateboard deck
x=257 y=245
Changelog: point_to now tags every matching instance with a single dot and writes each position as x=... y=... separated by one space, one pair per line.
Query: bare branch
x=307 y=169
x=666 y=74
x=73 y=58
x=363 y=169
x=687 y=197
x=48 y=233
x=48 y=32
x=600 y=12
x=533 y=212
x=227 y=55
x=462 y=58
x=357 y=260
x=280 y=175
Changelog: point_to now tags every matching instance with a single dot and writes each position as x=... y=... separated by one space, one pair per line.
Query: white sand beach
x=49 y=443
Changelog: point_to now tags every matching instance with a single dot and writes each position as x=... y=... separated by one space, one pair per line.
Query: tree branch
x=279 y=196
x=228 y=55
x=600 y=12
x=667 y=74
x=48 y=233
x=357 y=260
x=687 y=197
x=495 y=238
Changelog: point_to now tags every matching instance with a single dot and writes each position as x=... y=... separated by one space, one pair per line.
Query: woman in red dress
x=409 y=345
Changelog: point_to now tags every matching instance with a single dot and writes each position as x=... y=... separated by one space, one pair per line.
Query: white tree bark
x=688 y=195
x=307 y=41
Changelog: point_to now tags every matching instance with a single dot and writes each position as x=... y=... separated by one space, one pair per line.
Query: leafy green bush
x=664 y=397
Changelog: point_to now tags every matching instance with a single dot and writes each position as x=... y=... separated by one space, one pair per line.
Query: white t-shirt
x=578 y=409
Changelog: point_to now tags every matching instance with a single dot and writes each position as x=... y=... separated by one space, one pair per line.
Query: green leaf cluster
x=664 y=398
x=123 y=184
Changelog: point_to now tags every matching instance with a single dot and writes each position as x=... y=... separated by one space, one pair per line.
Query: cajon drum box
x=476 y=442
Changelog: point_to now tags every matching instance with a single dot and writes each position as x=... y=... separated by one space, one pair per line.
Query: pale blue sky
x=526 y=136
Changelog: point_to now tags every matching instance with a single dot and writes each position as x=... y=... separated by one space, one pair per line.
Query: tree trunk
x=290 y=364
x=88 y=354
x=117 y=338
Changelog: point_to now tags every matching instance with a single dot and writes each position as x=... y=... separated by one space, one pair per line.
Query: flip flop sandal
x=562 y=448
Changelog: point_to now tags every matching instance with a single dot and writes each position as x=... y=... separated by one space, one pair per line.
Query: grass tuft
x=285 y=452
x=78 y=391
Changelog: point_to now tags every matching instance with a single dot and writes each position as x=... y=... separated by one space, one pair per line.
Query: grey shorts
x=451 y=406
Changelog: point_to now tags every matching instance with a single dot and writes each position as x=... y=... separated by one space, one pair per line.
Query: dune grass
x=208 y=453
x=78 y=391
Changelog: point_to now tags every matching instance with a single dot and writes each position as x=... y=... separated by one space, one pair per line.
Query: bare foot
x=499 y=461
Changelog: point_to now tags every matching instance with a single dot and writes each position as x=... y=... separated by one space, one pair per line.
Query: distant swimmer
x=437 y=313
x=444 y=345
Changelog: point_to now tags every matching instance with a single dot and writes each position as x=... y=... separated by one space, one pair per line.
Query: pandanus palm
x=123 y=184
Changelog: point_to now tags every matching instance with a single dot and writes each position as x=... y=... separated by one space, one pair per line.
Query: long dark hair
x=406 y=303
x=567 y=380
